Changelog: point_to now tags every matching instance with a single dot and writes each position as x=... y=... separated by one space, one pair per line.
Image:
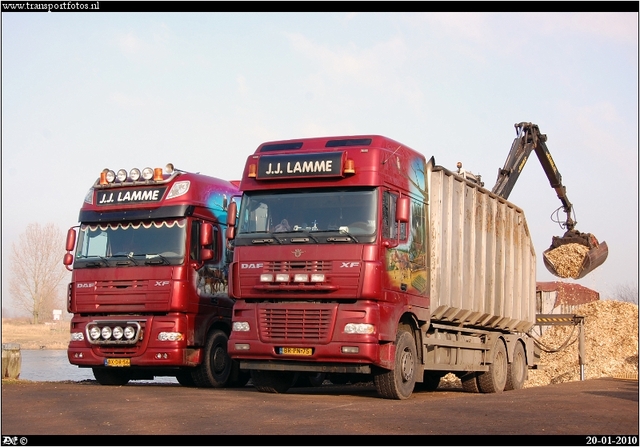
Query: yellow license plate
x=297 y=351
x=117 y=362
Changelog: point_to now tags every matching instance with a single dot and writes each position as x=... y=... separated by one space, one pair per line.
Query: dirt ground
x=590 y=407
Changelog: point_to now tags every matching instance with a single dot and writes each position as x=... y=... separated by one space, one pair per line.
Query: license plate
x=117 y=362
x=296 y=351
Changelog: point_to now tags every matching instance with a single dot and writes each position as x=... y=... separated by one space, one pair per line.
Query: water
x=48 y=365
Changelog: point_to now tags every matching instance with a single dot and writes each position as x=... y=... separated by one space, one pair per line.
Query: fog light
x=282 y=277
x=350 y=349
x=94 y=332
x=241 y=326
x=117 y=332
x=317 y=277
x=129 y=332
x=266 y=277
x=106 y=332
x=242 y=346
x=300 y=277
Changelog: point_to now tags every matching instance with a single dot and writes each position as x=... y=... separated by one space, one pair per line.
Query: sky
x=86 y=91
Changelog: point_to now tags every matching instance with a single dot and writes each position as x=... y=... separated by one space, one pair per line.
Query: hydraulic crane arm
x=530 y=139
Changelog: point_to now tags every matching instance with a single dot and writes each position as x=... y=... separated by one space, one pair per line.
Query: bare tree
x=627 y=293
x=37 y=270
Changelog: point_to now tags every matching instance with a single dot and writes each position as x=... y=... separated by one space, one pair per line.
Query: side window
x=389 y=224
x=194 y=248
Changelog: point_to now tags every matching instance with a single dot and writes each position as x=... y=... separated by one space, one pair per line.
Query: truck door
x=405 y=246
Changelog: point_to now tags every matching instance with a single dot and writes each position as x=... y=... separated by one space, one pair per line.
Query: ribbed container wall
x=483 y=265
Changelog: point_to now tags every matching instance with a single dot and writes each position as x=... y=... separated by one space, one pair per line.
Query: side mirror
x=68 y=259
x=206 y=234
x=403 y=209
x=71 y=240
x=206 y=254
x=232 y=215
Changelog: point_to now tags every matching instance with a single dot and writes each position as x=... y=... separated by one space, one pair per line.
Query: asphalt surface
x=592 y=407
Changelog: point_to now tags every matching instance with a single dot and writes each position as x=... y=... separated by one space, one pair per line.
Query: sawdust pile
x=567 y=259
x=611 y=347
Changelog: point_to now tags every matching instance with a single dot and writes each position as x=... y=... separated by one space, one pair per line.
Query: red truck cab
x=148 y=291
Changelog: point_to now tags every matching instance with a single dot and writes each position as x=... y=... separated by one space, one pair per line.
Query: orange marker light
x=349 y=167
x=103 y=178
x=157 y=174
x=253 y=171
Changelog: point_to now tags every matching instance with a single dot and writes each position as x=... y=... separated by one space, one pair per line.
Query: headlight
x=170 y=336
x=266 y=277
x=300 y=277
x=110 y=176
x=240 y=326
x=147 y=173
x=129 y=332
x=94 y=332
x=122 y=175
x=77 y=336
x=282 y=277
x=106 y=332
x=359 y=328
x=117 y=332
x=134 y=174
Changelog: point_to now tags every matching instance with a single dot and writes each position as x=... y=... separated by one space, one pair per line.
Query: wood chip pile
x=567 y=259
x=611 y=347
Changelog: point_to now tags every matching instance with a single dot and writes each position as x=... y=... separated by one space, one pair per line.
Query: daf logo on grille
x=297 y=252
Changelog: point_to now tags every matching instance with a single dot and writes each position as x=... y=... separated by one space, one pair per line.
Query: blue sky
x=82 y=91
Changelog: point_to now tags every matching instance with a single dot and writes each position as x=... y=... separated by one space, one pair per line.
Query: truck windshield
x=156 y=242
x=352 y=211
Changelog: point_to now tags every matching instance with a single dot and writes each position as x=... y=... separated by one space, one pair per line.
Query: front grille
x=296 y=324
x=297 y=266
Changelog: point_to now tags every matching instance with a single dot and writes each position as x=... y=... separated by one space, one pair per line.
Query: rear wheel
x=517 y=369
x=273 y=381
x=399 y=382
x=106 y=376
x=495 y=379
x=215 y=369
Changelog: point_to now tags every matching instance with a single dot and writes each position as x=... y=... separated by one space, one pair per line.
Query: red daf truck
x=148 y=291
x=357 y=259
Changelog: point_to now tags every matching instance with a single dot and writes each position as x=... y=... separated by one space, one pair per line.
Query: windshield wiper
x=302 y=239
x=156 y=258
x=103 y=261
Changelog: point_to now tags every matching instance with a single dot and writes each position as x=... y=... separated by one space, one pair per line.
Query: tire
x=495 y=379
x=430 y=381
x=273 y=381
x=470 y=382
x=517 y=369
x=107 y=376
x=215 y=369
x=399 y=382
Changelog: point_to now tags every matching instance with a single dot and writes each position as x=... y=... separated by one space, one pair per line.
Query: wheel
x=517 y=369
x=185 y=378
x=273 y=381
x=215 y=369
x=399 y=382
x=430 y=381
x=470 y=382
x=107 y=376
x=495 y=379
